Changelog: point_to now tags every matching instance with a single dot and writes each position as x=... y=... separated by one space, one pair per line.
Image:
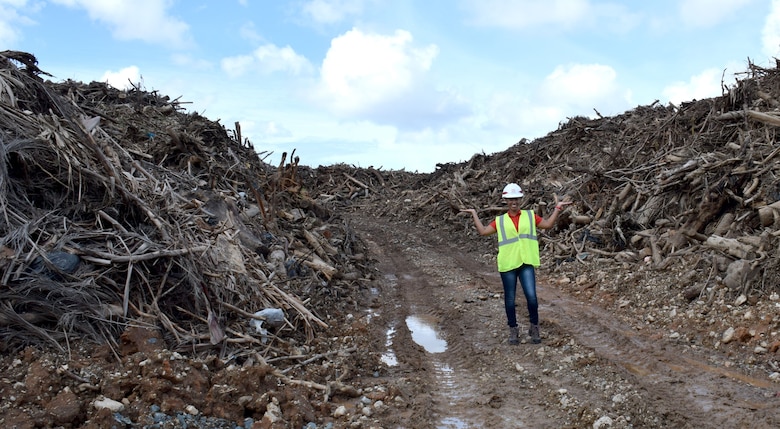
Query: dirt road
x=442 y=313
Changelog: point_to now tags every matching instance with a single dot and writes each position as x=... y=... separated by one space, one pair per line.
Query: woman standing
x=518 y=254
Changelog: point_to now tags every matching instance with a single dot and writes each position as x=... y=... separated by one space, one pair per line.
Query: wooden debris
x=156 y=204
x=658 y=182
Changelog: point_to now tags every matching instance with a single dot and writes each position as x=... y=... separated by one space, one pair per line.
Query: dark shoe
x=514 y=334
x=533 y=332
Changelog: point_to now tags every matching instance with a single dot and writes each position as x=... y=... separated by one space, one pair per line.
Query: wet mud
x=442 y=315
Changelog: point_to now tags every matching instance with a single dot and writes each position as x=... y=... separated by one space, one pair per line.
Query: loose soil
x=597 y=366
x=594 y=368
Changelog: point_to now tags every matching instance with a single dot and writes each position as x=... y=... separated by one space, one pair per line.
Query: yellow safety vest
x=517 y=247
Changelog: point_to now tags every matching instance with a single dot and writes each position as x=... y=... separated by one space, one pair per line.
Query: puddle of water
x=445 y=373
x=451 y=423
x=452 y=392
x=388 y=357
x=701 y=396
x=424 y=335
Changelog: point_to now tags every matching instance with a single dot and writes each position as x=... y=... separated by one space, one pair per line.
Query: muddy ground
x=431 y=353
x=596 y=366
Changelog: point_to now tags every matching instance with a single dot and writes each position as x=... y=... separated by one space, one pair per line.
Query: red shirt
x=516 y=220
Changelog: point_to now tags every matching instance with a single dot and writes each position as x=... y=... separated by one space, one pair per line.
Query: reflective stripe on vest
x=502 y=235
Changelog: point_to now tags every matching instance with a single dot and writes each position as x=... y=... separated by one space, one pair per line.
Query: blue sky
x=399 y=84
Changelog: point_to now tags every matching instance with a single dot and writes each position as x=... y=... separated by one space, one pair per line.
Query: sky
x=399 y=84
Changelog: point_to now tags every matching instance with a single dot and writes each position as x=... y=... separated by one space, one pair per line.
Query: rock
x=774 y=347
x=273 y=414
x=728 y=336
x=737 y=274
x=341 y=411
x=740 y=300
x=692 y=292
x=109 y=404
x=64 y=408
x=602 y=422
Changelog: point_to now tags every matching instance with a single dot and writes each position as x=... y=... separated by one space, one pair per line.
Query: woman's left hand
x=561 y=204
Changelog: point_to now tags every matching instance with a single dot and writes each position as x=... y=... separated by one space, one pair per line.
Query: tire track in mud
x=445 y=381
x=464 y=386
x=690 y=387
x=589 y=366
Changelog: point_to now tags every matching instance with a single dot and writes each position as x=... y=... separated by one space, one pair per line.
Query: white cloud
x=507 y=111
x=770 y=35
x=580 y=88
x=8 y=34
x=706 y=84
x=362 y=69
x=573 y=90
x=708 y=13
x=10 y=18
x=123 y=79
x=267 y=59
x=249 y=32
x=272 y=130
x=527 y=13
x=332 y=11
x=145 y=20
x=384 y=78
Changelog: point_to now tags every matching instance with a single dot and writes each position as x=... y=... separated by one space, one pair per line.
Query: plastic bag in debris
x=274 y=317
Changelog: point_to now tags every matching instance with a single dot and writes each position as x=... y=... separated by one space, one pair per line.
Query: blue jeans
x=527 y=276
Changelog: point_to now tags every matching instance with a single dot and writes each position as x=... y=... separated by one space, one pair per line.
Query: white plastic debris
x=273 y=317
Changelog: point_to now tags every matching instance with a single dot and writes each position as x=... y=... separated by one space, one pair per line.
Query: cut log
x=581 y=219
x=731 y=246
x=766 y=215
x=724 y=224
x=317 y=264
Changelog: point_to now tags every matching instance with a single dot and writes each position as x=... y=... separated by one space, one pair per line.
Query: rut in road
x=715 y=396
x=459 y=381
x=590 y=365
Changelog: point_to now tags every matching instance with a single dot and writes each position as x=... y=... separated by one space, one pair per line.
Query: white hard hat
x=512 y=190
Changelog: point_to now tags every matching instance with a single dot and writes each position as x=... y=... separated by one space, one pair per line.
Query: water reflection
x=388 y=357
x=424 y=335
x=451 y=423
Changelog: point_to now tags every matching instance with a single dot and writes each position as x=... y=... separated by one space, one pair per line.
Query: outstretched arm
x=549 y=222
x=481 y=228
